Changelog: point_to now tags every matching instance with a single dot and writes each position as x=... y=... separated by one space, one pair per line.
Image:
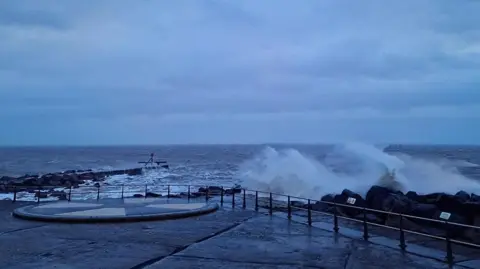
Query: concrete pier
x=227 y=238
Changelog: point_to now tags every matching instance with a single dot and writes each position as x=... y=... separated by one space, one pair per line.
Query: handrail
x=149 y=188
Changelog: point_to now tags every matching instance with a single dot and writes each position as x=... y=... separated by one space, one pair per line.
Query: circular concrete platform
x=114 y=210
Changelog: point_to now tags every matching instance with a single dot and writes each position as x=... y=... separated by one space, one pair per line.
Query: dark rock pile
x=45 y=186
x=202 y=191
x=461 y=208
x=66 y=179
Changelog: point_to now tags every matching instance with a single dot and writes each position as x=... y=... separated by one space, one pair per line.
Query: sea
x=309 y=171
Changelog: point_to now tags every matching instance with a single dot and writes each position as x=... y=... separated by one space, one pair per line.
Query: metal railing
x=242 y=195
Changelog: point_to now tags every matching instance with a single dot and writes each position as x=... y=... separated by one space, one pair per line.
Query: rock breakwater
x=66 y=179
x=435 y=213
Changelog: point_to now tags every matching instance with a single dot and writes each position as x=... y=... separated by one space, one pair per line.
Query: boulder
x=41 y=195
x=349 y=198
x=376 y=195
x=471 y=234
x=300 y=204
x=321 y=205
x=7 y=179
x=451 y=203
x=370 y=218
x=397 y=203
x=474 y=198
x=212 y=190
x=462 y=196
x=424 y=210
x=233 y=190
x=452 y=218
x=61 y=195
x=153 y=195
x=394 y=221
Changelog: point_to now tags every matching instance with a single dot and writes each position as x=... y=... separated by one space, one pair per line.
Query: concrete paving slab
x=269 y=242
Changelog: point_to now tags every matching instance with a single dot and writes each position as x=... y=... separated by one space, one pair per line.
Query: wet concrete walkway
x=224 y=239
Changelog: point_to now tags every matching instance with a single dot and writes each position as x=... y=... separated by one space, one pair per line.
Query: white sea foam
x=291 y=172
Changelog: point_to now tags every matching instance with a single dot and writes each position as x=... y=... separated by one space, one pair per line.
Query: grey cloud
x=88 y=61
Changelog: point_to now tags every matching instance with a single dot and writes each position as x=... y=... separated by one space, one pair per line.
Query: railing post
x=335 y=218
x=221 y=196
x=403 y=246
x=146 y=190
x=168 y=191
x=365 y=226
x=309 y=213
x=206 y=194
x=233 y=198
x=14 y=194
x=38 y=195
x=244 y=199
x=188 y=193
x=256 y=200
x=289 y=208
x=123 y=190
x=270 y=206
x=98 y=192
x=449 y=258
x=70 y=194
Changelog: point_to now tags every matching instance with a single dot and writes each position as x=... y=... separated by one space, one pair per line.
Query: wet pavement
x=224 y=239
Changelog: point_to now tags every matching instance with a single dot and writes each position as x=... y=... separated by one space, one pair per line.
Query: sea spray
x=292 y=172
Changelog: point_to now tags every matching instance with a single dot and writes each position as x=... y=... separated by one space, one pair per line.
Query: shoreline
x=382 y=205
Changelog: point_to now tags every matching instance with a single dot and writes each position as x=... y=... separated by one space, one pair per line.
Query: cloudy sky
x=229 y=71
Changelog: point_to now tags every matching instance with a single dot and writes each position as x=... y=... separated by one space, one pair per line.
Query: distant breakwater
x=56 y=185
x=66 y=179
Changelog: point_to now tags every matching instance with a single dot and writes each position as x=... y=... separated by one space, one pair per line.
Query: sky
x=98 y=72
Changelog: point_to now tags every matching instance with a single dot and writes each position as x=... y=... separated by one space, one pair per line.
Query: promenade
x=227 y=238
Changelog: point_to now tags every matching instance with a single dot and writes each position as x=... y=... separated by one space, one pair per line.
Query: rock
x=370 y=218
x=87 y=176
x=424 y=210
x=462 y=196
x=61 y=195
x=41 y=195
x=298 y=204
x=192 y=194
x=349 y=198
x=7 y=179
x=152 y=194
x=137 y=195
x=233 y=190
x=473 y=209
x=212 y=190
x=454 y=230
x=471 y=234
x=376 y=195
x=413 y=196
x=397 y=203
x=134 y=172
x=474 y=198
x=394 y=221
x=321 y=205
x=451 y=203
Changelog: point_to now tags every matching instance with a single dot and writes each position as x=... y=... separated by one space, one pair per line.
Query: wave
x=353 y=166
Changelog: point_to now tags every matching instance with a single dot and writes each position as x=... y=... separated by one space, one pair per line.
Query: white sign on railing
x=351 y=200
x=445 y=215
